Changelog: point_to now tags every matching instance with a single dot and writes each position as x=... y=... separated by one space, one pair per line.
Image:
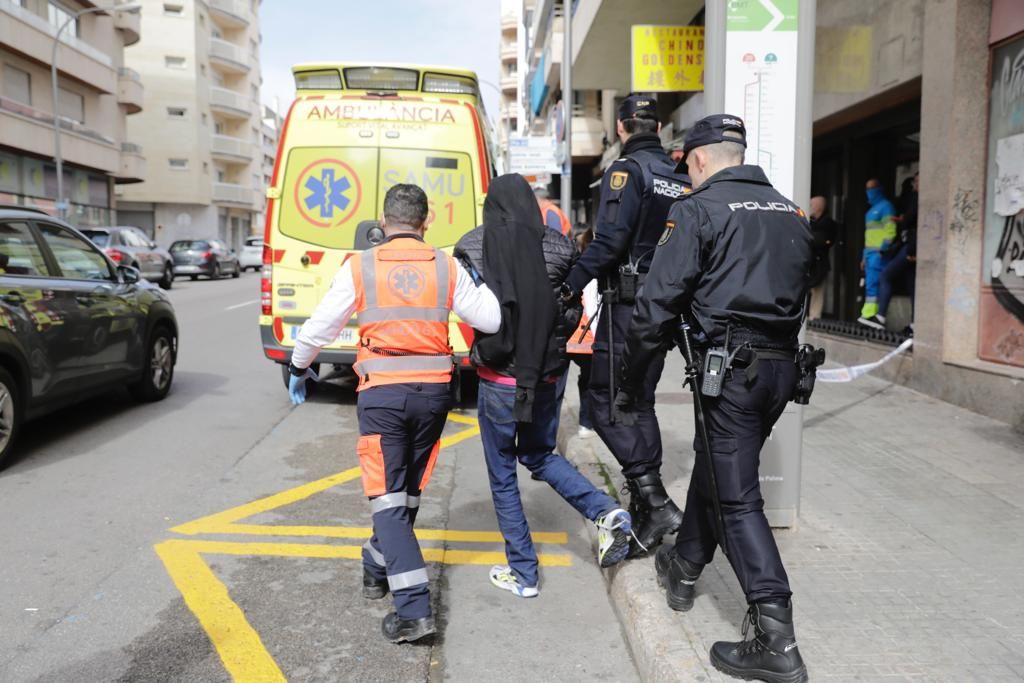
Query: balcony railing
x=226 y=145
x=41 y=24
x=45 y=118
x=231 y=193
x=229 y=55
x=230 y=102
x=129 y=23
x=233 y=12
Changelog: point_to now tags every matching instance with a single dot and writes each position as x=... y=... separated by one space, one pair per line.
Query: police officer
x=403 y=291
x=636 y=194
x=733 y=261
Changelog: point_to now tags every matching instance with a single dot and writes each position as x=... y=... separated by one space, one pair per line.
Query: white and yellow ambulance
x=353 y=131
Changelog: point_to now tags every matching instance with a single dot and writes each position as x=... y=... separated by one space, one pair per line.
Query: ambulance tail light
x=452 y=85
x=266 y=286
x=381 y=78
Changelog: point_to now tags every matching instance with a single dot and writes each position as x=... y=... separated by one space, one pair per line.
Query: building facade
x=97 y=94
x=203 y=122
x=901 y=87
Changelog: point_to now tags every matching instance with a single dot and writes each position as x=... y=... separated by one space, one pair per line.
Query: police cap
x=638 y=107
x=712 y=129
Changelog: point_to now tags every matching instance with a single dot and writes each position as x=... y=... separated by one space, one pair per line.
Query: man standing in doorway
x=825 y=232
x=879 y=232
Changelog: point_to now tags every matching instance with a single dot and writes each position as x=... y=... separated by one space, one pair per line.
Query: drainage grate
x=853 y=330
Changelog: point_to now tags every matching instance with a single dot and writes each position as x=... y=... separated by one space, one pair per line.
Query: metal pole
x=714 y=56
x=567 y=109
x=804 y=103
x=57 y=157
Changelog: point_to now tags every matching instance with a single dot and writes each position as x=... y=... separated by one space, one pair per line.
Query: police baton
x=606 y=302
x=691 y=377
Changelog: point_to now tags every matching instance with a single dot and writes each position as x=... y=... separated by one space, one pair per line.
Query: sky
x=462 y=33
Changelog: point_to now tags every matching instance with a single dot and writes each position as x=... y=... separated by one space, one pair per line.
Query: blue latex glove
x=297 y=386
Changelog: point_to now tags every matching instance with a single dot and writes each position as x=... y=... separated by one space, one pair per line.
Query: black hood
x=511 y=206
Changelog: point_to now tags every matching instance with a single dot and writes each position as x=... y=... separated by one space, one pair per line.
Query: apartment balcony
x=129 y=90
x=133 y=165
x=230 y=193
x=509 y=52
x=509 y=83
x=29 y=34
x=230 y=13
x=130 y=26
x=509 y=22
x=25 y=128
x=229 y=57
x=230 y=103
x=232 y=149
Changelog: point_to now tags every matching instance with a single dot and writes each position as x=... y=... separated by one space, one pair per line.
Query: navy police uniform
x=734 y=254
x=637 y=191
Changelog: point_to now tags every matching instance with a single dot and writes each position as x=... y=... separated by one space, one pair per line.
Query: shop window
x=17 y=85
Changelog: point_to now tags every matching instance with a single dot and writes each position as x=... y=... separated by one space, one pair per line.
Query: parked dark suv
x=211 y=258
x=129 y=246
x=73 y=324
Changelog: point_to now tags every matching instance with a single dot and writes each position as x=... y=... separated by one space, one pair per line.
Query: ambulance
x=354 y=131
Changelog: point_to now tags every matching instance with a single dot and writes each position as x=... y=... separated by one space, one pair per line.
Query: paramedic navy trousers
x=400 y=427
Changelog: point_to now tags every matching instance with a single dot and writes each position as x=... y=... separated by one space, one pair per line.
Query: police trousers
x=738 y=422
x=400 y=429
x=636 y=448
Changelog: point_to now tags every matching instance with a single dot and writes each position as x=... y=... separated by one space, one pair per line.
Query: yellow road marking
x=450 y=535
x=237 y=643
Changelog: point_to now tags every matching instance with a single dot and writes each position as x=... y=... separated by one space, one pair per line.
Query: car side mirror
x=127 y=275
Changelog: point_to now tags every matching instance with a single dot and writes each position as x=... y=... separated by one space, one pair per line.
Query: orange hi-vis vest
x=548 y=205
x=404 y=291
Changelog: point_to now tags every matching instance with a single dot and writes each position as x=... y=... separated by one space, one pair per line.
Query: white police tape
x=848 y=374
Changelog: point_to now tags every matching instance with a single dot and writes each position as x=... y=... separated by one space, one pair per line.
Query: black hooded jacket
x=523 y=263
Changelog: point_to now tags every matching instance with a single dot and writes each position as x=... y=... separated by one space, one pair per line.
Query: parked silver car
x=129 y=246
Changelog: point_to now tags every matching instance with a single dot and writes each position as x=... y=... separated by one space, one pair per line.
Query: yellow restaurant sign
x=668 y=58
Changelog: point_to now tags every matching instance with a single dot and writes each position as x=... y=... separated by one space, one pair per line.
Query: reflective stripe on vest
x=404 y=292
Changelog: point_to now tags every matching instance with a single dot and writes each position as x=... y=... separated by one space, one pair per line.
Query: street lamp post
x=58 y=160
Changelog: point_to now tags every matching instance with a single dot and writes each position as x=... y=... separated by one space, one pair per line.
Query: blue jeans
x=507 y=442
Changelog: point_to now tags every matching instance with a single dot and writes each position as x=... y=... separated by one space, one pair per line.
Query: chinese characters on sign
x=668 y=58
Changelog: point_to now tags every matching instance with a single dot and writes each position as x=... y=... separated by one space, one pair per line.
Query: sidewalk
x=907 y=560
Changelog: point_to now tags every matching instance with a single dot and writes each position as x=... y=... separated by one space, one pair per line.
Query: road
x=215 y=536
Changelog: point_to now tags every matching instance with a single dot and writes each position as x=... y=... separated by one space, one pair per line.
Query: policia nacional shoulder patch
x=669 y=227
x=618 y=180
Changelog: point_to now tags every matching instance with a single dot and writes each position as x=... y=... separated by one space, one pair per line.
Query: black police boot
x=771 y=655
x=678 y=576
x=399 y=630
x=663 y=516
x=374 y=589
x=638 y=512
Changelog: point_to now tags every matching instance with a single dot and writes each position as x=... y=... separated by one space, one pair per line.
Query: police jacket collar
x=639 y=141
x=745 y=173
x=402 y=235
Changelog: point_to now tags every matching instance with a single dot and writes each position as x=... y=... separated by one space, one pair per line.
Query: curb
x=665 y=646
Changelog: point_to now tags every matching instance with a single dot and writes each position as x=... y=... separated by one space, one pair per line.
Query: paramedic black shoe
x=399 y=630
x=374 y=589
x=771 y=655
x=678 y=577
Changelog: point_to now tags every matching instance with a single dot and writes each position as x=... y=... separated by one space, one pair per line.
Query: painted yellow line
x=237 y=643
x=271 y=502
x=452 y=536
x=459 y=437
x=463 y=419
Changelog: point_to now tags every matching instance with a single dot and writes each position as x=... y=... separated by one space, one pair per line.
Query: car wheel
x=193 y=278
x=215 y=275
x=237 y=271
x=287 y=376
x=11 y=411
x=167 y=281
x=158 y=371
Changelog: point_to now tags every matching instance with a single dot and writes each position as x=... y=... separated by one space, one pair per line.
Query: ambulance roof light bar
x=324 y=79
x=453 y=85
x=381 y=78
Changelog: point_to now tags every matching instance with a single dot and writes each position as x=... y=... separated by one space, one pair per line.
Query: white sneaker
x=503 y=578
x=585 y=432
x=613 y=530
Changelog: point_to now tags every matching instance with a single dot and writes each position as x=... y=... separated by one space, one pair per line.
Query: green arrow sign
x=762 y=15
